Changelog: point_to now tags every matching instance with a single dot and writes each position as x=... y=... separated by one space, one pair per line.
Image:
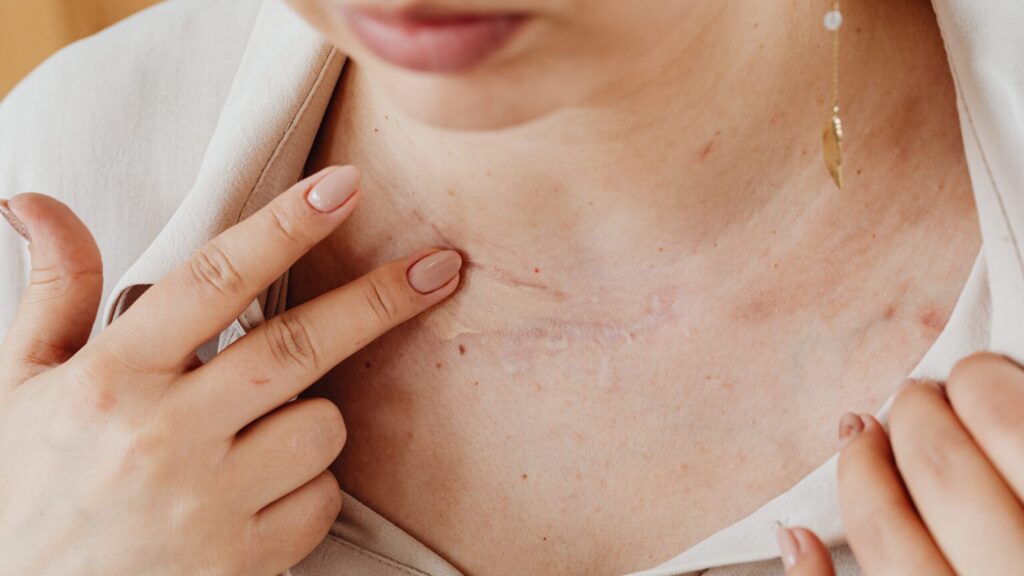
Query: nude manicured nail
x=334 y=189
x=434 y=271
x=789 y=548
x=849 y=426
x=13 y=220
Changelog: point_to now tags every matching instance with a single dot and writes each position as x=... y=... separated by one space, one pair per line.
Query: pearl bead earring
x=833 y=138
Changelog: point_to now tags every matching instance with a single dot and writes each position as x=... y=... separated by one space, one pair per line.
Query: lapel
x=258 y=149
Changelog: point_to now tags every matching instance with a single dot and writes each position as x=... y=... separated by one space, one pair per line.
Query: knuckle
x=986 y=397
x=330 y=426
x=285 y=224
x=55 y=282
x=213 y=270
x=969 y=371
x=907 y=401
x=381 y=300
x=290 y=343
x=332 y=498
x=319 y=512
x=324 y=434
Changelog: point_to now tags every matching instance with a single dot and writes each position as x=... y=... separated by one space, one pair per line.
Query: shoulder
x=116 y=125
x=148 y=83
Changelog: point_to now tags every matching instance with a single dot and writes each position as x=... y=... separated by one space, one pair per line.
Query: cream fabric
x=175 y=124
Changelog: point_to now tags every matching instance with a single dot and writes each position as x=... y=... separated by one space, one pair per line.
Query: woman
x=664 y=303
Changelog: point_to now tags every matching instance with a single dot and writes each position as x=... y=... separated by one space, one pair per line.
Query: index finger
x=171 y=320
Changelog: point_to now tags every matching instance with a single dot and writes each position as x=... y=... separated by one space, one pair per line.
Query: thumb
x=803 y=554
x=59 y=306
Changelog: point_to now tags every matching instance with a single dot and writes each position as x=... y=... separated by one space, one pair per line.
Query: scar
x=260 y=381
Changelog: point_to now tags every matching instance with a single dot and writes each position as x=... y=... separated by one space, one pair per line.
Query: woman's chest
x=602 y=447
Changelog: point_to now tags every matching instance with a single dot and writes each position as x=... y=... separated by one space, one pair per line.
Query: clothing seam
x=289 y=131
x=377 y=557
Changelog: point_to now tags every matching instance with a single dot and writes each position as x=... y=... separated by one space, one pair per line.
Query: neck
x=710 y=147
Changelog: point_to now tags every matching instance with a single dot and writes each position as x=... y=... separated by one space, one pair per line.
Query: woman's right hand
x=121 y=455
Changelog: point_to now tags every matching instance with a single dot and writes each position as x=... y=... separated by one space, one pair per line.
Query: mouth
x=444 y=43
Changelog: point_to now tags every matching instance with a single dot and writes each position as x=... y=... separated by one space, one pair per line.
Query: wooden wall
x=31 y=30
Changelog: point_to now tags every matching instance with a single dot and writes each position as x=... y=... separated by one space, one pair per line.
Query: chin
x=475 y=102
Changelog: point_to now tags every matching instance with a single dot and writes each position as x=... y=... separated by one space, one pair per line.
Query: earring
x=833 y=138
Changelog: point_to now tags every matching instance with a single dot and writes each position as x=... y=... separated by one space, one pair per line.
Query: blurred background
x=31 y=30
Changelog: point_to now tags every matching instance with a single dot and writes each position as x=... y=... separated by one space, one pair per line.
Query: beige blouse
x=168 y=128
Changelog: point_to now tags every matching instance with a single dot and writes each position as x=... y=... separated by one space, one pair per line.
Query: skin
x=620 y=197
x=669 y=204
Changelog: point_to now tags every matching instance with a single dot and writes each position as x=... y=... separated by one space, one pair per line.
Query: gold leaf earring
x=833 y=138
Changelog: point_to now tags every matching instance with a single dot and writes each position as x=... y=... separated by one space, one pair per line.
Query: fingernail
x=789 y=548
x=849 y=426
x=434 y=271
x=13 y=220
x=334 y=189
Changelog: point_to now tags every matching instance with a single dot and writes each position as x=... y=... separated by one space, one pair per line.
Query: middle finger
x=282 y=357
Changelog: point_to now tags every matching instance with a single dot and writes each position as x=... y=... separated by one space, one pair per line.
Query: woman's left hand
x=940 y=494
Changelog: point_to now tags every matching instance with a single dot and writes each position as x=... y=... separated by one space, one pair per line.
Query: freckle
x=259 y=381
x=487 y=173
x=591 y=203
x=376 y=130
x=477 y=383
x=439 y=364
x=525 y=477
x=462 y=350
x=536 y=270
x=660 y=249
x=775 y=264
x=367 y=365
x=860 y=171
x=545 y=538
x=890 y=312
x=386 y=117
x=451 y=192
x=105 y=401
x=706 y=150
x=931 y=318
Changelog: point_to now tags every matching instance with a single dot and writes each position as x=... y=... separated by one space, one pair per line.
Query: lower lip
x=435 y=44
